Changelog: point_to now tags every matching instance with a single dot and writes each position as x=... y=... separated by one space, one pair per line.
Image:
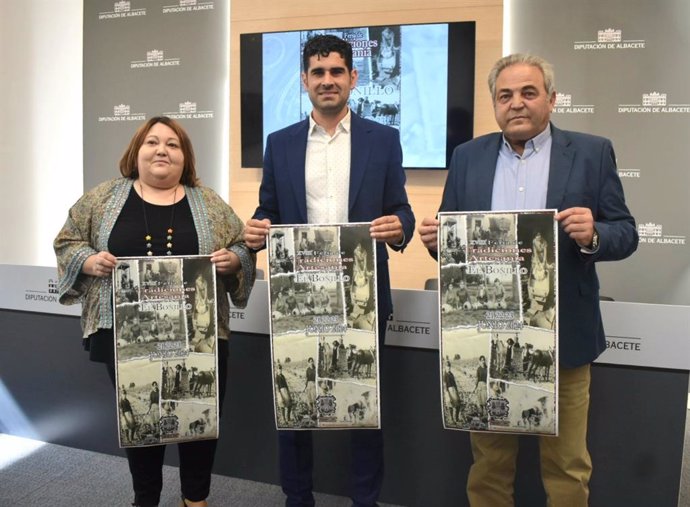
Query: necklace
x=169 y=237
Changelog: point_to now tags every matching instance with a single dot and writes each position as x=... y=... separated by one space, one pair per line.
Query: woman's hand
x=100 y=264
x=226 y=261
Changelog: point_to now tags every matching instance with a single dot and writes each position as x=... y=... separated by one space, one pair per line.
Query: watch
x=595 y=240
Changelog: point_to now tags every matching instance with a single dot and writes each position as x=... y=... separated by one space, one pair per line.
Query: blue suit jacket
x=582 y=173
x=377 y=185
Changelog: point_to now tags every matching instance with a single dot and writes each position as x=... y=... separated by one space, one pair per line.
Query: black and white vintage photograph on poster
x=324 y=324
x=359 y=262
x=492 y=237
x=464 y=372
x=161 y=278
x=453 y=240
x=480 y=294
x=294 y=372
x=527 y=356
x=200 y=291
x=349 y=356
x=138 y=403
x=126 y=283
x=186 y=420
x=385 y=56
x=384 y=93
x=494 y=298
x=497 y=294
x=342 y=404
x=456 y=300
x=152 y=347
x=192 y=377
x=151 y=329
x=536 y=234
x=282 y=251
x=521 y=408
x=318 y=248
x=306 y=307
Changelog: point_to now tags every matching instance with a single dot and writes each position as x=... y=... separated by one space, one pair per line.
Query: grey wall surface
x=145 y=58
x=622 y=69
x=636 y=434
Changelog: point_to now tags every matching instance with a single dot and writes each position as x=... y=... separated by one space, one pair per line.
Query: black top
x=127 y=238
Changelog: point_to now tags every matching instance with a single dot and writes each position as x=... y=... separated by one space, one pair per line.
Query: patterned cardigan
x=87 y=230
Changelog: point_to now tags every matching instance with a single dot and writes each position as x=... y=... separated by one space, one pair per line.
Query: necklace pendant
x=148 y=238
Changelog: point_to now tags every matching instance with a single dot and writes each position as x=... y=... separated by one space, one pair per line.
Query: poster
x=165 y=349
x=324 y=326
x=498 y=301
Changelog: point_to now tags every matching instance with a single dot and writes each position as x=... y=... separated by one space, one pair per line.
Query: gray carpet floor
x=56 y=476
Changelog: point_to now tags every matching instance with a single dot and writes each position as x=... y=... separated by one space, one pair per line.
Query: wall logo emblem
x=564 y=105
x=188 y=6
x=122 y=9
x=655 y=103
x=122 y=112
x=652 y=233
x=609 y=35
x=609 y=38
x=155 y=58
x=188 y=110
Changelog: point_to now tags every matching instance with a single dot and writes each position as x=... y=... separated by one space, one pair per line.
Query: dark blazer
x=377 y=185
x=582 y=173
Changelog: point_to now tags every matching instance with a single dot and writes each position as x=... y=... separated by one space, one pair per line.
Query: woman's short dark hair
x=323 y=45
x=128 y=162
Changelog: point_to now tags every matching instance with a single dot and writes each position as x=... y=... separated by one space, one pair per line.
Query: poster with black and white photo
x=164 y=322
x=498 y=306
x=324 y=332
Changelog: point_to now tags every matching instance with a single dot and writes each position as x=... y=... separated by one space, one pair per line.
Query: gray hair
x=526 y=59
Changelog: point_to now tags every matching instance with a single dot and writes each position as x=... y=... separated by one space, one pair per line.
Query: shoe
x=183 y=502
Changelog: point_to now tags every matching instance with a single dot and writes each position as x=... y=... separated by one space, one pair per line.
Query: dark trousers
x=297 y=462
x=366 y=466
x=196 y=458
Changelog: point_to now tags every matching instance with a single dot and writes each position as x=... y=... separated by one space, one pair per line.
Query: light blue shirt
x=521 y=182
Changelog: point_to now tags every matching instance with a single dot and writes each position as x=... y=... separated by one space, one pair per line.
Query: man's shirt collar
x=533 y=145
x=343 y=126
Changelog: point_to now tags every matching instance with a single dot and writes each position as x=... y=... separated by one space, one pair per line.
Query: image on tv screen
x=418 y=79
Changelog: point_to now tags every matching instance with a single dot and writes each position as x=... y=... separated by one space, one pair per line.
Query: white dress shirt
x=327 y=172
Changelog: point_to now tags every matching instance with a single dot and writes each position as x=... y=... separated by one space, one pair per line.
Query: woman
x=310 y=385
x=157 y=208
x=201 y=317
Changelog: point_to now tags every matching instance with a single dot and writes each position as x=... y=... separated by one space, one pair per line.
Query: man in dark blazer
x=533 y=165
x=335 y=167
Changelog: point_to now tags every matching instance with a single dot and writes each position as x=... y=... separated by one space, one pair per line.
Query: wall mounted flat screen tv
x=418 y=79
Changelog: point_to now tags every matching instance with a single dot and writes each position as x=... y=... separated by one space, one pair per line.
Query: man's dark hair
x=323 y=45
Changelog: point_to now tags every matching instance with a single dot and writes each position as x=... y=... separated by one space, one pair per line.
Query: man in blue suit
x=335 y=167
x=533 y=165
